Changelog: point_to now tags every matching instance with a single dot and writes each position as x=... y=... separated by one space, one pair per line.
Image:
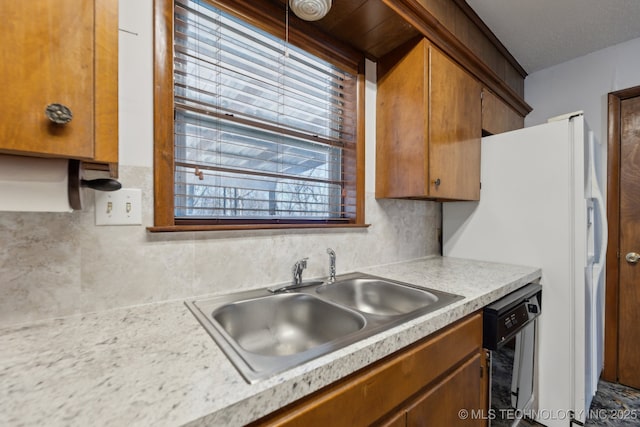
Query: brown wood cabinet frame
x=106 y=84
x=414 y=12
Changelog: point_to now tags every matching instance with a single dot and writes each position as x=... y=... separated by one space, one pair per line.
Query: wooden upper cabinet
x=60 y=53
x=455 y=116
x=429 y=116
x=497 y=116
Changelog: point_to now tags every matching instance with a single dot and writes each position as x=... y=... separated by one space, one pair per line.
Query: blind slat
x=231 y=92
x=262 y=129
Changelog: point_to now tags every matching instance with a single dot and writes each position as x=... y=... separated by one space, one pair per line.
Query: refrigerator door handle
x=595 y=193
x=604 y=226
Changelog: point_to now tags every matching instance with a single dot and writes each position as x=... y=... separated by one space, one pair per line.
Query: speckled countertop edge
x=155 y=365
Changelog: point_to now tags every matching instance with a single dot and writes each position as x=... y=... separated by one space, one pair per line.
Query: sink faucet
x=297 y=270
x=296 y=282
x=332 y=265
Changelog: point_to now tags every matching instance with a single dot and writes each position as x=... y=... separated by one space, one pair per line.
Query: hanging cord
x=286 y=32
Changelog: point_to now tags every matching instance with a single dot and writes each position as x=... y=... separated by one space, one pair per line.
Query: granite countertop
x=155 y=365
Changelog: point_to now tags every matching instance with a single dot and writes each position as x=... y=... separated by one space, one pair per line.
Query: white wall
x=59 y=264
x=135 y=82
x=583 y=84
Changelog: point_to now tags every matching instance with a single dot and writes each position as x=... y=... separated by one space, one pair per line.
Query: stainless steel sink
x=285 y=324
x=377 y=296
x=263 y=333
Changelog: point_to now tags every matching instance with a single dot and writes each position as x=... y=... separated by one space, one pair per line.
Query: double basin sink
x=264 y=333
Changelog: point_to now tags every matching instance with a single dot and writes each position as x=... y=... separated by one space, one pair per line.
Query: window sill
x=189 y=228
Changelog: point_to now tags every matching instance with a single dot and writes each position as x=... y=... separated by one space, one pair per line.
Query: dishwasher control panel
x=507 y=316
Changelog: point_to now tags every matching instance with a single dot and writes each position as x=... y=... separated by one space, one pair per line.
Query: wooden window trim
x=267 y=17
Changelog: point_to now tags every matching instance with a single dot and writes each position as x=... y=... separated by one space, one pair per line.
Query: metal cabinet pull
x=58 y=114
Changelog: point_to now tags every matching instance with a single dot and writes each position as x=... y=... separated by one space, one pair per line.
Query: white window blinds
x=263 y=130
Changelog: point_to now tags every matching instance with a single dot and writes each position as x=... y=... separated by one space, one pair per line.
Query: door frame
x=610 y=372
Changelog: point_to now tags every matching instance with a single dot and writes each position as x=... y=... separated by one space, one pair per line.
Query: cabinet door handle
x=437 y=182
x=58 y=114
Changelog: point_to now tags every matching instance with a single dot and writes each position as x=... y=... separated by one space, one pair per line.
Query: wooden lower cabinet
x=450 y=403
x=427 y=383
x=397 y=420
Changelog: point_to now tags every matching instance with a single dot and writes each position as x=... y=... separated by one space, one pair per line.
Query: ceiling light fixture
x=310 y=10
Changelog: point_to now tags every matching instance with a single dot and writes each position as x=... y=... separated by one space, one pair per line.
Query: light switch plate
x=121 y=207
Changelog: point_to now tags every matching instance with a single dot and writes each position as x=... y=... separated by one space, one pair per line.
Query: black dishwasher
x=509 y=335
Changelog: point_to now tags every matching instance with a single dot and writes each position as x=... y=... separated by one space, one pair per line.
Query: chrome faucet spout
x=296 y=281
x=297 y=270
x=332 y=265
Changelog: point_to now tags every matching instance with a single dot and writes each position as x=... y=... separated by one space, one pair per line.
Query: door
x=629 y=269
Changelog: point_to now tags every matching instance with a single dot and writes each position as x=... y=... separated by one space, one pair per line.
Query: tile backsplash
x=57 y=264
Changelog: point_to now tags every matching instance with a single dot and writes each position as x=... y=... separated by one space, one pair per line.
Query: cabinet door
x=456 y=401
x=397 y=420
x=497 y=116
x=455 y=120
x=401 y=120
x=47 y=57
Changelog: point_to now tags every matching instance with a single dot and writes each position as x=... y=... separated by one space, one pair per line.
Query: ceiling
x=542 y=33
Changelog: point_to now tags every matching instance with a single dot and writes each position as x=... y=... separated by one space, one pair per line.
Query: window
x=252 y=130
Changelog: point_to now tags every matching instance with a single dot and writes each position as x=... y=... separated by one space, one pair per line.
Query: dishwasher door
x=510 y=337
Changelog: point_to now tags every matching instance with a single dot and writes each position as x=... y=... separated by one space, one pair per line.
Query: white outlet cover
x=121 y=207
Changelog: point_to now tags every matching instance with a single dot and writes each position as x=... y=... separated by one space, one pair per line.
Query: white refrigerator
x=541 y=204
